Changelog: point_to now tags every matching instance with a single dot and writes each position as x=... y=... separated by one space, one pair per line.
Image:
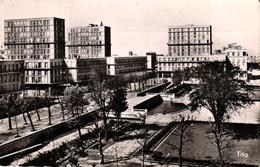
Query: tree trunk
x=130 y=87
x=24 y=118
x=143 y=149
x=37 y=112
x=100 y=149
x=80 y=135
x=62 y=110
x=49 y=108
x=118 y=119
x=219 y=152
x=9 y=121
x=105 y=125
x=143 y=85
x=78 y=123
x=72 y=111
x=30 y=119
x=49 y=115
x=180 y=149
x=16 y=126
x=139 y=85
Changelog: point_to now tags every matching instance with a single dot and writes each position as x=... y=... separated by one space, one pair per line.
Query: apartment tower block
x=40 y=42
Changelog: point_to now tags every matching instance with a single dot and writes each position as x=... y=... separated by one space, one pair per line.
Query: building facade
x=88 y=42
x=237 y=55
x=190 y=40
x=126 y=65
x=80 y=71
x=41 y=43
x=11 y=76
x=188 y=46
x=168 y=64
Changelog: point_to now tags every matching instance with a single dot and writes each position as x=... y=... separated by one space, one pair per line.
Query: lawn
x=201 y=147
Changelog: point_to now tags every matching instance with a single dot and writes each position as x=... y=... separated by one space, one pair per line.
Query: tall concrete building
x=188 y=46
x=91 y=41
x=41 y=43
x=11 y=76
x=190 y=40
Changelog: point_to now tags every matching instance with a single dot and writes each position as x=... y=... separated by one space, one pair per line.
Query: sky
x=142 y=25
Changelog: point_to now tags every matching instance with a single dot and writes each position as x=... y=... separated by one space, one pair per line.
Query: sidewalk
x=25 y=129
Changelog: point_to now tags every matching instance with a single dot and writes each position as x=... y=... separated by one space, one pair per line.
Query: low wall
x=155 y=89
x=150 y=103
x=44 y=135
x=165 y=96
x=155 y=138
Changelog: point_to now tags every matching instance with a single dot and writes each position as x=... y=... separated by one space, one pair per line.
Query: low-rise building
x=80 y=70
x=168 y=64
x=237 y=55
x=126 y=65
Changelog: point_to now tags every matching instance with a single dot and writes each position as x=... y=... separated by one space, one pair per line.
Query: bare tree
x=144 y=132
x=26 y=107
x=100 y=94
x=59 y=99
x=7 y=106
x=118 y=102
x=183 y=134
x=37 y=102
x=221 y=92
x=48 y=101
x=222 y=139
x=74 y=99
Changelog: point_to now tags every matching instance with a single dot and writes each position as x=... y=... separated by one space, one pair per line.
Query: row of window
x=27 y=29
x=10 y=88
x=130 y=69
x=36 y=80
x=25 y=57
x=85 y=51
x=177 y=67
x=90 y=69
x=188 y=48
x=29 y=40
x=26 y=23
x=37 y=65
x=87 y=29
x=183 y=59
x=36 y=72
x=85 y=34
x=34 y=46
x=10 y=67
x=82 y=56
x=27 y=35
x=28 y=51
x=56 y=76
x=189 y=34
x=88 y=42
x=189 y=29
x=237 y=53
x=10 y=78
x=188 y=39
